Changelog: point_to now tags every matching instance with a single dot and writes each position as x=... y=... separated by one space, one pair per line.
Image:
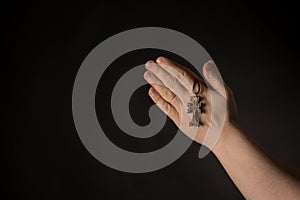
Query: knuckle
x=167 y=108
x=171 y=81
x=173 y=98
x=180 y=77
x=183 y=73
x=165 y=92
x=168 y=94
x=158 y=100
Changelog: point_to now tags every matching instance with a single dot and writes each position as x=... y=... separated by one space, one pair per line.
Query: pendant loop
x=196 y=84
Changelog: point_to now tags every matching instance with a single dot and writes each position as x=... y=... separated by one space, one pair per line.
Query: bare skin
x=255 y=174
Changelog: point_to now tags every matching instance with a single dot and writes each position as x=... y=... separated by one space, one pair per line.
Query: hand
x=255 y=174
x=172 y=87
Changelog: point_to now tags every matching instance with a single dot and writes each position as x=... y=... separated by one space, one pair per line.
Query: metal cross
x=195 y=107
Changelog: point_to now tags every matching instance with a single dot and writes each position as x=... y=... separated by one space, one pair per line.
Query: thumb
x=213 y=77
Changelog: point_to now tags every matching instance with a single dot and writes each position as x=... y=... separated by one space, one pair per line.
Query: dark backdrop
x=255 y=46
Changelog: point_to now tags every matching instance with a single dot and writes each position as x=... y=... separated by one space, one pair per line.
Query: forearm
x=253 y=172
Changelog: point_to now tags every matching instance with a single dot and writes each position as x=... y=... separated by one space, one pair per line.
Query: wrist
x=229 y=129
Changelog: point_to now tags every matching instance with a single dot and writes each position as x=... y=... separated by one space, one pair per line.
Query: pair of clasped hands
x=173 y=86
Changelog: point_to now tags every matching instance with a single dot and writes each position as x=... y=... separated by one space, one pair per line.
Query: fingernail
x=152 y=92
x=149 y=64
x=158 y=60
x=210 y=69
x=147 y=75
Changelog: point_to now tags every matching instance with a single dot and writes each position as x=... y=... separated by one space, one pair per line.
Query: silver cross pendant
x=195 y=105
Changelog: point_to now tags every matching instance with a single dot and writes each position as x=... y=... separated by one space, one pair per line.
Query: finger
x=164 y=92
x=213 y=77
x=166 y=107
x=168 y=96
x=151 y=78
x=167 y=79
x=184 y=75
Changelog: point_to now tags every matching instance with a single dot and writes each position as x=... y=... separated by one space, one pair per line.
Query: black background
x=255 y=46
